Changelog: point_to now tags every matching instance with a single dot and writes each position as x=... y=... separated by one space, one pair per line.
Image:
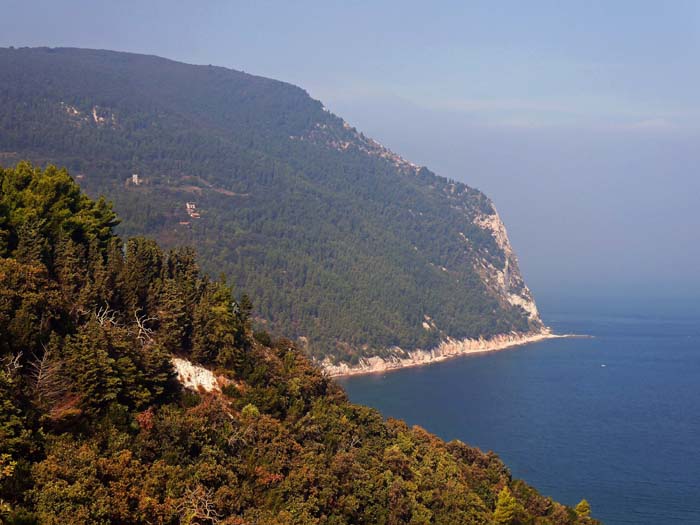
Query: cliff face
x=505 y=280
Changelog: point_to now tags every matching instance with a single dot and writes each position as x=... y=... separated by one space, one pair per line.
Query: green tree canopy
x=583 y=508
x=95 y=428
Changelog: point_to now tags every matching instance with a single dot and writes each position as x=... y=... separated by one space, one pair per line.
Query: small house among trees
x=192 y=210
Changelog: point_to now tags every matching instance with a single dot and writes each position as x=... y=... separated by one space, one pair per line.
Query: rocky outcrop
x=347 y=138
x=505 y=281
x=195 y=377
x=98 y=116
x=400 y=358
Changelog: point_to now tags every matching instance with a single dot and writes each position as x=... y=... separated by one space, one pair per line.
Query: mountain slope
x=348 y=247
x=95 y=429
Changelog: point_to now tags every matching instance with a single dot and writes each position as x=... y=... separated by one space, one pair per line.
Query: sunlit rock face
x=399 y=358
x=195 y=377
x=506 y=281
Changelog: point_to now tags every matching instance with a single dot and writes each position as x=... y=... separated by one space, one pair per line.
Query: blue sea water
x=614 y=418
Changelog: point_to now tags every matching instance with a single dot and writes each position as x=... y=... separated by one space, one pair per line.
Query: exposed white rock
x=96 y=117
x=495 y=226
x=75 y=116
x=195 y=377
x=525 y=303
x=507 y=281
x=103 y=116
x=449 y=348
x=71 y=110
x=352 y=139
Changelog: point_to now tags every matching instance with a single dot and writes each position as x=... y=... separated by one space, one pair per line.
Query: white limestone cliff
x=506 y=282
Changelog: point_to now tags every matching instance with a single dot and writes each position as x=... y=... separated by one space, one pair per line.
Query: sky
x=580 y=119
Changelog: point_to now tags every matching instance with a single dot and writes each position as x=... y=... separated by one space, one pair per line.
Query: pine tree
x=12 y=431
x=127 y=355
x=110 y=281
x=583 y=509
x=29 y=302
x=506 y=508
x=91 y=291
x=7 y=469
x=157 y=369
x=246 y=309
x=99 y=220
x=172 y=319
x=91 y=368
x=215 y=325
x=69 y=268
x=32 y=246
x=4 y=230
x=142 y=274
x=183 y=268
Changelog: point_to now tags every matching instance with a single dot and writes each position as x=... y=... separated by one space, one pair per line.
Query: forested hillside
x=95 y=428
x=348 y=248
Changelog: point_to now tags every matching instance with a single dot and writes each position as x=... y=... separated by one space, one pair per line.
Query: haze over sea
x=611 y=418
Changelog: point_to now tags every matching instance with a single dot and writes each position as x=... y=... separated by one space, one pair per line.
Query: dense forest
x=96 y=429
x=347 y=248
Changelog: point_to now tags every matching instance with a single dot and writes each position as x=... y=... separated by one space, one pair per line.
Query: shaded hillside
x=346 y=246
x=94 y=427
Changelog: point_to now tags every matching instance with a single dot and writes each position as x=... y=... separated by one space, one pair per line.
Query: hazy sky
x=580 y=119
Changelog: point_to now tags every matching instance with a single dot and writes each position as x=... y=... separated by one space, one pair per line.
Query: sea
x=613 y=418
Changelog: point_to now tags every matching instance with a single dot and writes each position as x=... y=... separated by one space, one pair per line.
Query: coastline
x=447 y=349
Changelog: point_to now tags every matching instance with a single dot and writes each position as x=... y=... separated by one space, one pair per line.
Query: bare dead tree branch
x=12 y=363
x=48 y=383
x=197 y=504
x=145 y=334
x=105 y=315
x=39 y=369
x=243 y=435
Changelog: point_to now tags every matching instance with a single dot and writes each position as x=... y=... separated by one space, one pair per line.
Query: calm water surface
x=614 y=418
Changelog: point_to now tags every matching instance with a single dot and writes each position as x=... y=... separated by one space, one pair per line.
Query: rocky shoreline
x=447 y=349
